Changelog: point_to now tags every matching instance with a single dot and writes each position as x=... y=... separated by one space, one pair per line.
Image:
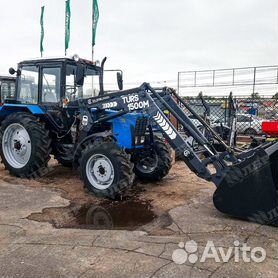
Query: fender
x=90 y=138
x=7 y=109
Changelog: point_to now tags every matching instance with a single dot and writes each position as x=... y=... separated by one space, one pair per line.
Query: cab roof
x=7 y=78
x=69 y=60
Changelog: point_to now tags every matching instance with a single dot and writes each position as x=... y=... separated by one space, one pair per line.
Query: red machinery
x=270 y=128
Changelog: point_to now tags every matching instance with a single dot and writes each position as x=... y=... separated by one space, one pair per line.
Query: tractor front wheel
x=153 y=164
x=25 y=145
x=106 y=169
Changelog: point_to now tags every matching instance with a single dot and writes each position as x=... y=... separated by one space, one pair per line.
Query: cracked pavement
x=36 y=249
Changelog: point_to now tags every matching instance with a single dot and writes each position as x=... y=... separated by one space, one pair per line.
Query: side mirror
x=120 y=80
x=12 y=71
x=80 y=75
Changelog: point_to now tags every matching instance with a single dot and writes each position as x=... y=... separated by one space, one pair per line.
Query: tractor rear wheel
x=25 y=145
x=153 y=165
x=106 y=169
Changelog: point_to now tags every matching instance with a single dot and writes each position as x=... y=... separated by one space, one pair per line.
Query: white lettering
x=210 y=252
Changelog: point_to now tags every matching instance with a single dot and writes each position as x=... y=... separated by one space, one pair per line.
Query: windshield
x=90 y=88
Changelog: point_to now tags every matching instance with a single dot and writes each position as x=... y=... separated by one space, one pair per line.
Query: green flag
x=67 y=26
x=42 y=30
x=95 y=20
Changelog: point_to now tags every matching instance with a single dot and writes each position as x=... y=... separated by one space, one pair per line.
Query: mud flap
x=249 y=189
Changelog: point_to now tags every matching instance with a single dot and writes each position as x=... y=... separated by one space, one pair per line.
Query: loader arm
x=205 y=104
x=149 y=101
x=232 y=119
x=246 y=182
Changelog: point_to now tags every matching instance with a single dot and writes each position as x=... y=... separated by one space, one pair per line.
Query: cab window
x=90 y=88
x=7 y=90
x=244 y=119
x=51 y=85
x=91 y=85
x=70 y=89
x=28 y=85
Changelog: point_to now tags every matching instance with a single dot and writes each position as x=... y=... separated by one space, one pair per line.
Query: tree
x=275 y=96
x=255 y=95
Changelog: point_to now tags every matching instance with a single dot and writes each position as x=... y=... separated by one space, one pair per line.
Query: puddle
x=119 y=215
x=125 y=215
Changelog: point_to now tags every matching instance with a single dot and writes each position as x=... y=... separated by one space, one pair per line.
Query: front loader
x=112 y=137
x=246 y=181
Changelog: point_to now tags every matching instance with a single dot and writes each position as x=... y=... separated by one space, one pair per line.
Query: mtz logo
x=165 y=126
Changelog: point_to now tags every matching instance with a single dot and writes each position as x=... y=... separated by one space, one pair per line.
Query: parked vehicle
x=7 y=88
x=249 y=125
x=213 y=120
x=246 y=124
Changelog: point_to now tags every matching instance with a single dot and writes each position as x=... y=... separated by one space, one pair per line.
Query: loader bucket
x=249 y=189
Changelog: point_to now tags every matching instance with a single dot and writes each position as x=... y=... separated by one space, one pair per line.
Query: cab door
x=51 y=94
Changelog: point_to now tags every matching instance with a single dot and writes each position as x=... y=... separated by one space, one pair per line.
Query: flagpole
x=65 y=27
x=42 y=30
x=93 y=92
x=93 y=28
x=93 y=47
x=95 y=17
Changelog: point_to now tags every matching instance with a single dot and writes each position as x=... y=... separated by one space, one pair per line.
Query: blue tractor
x=50 y=114
x=60 y=108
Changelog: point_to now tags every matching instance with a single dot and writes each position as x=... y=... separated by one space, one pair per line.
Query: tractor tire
x=105 y=169
x=162 y=162
x=250 y=131
x=25 y=145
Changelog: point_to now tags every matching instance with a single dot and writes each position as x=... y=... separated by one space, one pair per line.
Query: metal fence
x=247 y=81
x=250 y=112
x=255 y=90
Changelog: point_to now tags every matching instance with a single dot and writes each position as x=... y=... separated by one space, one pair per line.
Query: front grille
x=141 y=126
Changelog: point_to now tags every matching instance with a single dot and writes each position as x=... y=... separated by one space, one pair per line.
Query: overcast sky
x=150 y=40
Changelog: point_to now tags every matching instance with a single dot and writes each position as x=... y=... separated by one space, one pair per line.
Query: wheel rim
x=16 y=146
x=100 y=171
x=148 y=164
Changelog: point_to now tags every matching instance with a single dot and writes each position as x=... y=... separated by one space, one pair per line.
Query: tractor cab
x=56 y=81
x=7 y=88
